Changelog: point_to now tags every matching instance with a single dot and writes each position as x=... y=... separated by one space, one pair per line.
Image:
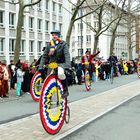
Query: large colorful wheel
x=138 y=71
x=52 y=106
x=36 y=86
x=87 y=80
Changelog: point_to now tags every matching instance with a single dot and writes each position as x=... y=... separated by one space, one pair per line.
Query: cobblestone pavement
x=82 y=112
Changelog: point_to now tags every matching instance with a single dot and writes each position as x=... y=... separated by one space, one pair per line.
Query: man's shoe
x=65 y=94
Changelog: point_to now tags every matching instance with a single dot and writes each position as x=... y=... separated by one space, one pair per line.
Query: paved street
x=122 y=123
x=15 y=108
x=86 y=110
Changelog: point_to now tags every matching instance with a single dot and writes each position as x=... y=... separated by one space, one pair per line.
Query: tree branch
x=10 y=2
x=87 y=14
x=27 y=5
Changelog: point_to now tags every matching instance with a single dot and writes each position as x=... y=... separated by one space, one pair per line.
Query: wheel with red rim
x=36 y=86
x=52 y=106
x=87 y=80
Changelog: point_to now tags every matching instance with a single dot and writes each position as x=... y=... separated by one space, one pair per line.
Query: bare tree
x=101 y=14
x=22 y=6
x=76 y=7
x=74 y=14
x=131 y=21
x=118 y=11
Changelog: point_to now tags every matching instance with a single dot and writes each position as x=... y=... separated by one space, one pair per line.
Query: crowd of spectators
x=15 y=77
x=18 y=76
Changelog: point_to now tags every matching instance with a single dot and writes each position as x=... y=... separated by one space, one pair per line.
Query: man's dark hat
x=56 y=31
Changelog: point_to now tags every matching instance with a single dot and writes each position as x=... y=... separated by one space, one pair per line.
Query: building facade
x=39 y=21
x=83 y=37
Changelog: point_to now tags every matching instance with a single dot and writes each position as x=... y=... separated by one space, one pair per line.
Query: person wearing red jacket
x=87 y=60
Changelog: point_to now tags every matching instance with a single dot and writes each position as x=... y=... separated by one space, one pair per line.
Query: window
x=88 y=38
x=30 y=1
x=23 y=25
x=80 y=26
x=47 y=4
x=31 y=19
x=46 y=25
x=60 y=8
x=80 y=40
x=80 y=13
x=11 y=46
x=47 y=44
x=88 y=25
x=39 y=47
x=39 y=26
x=39 y=6
x=31 y=47
x=22 y=47
x=80 y=52
x=1 y=18
x=1 y=46
x=95 y=24
x=54 y=25
x=89 y=50
x=11 y=19
x=54 y=6
x=60 y=27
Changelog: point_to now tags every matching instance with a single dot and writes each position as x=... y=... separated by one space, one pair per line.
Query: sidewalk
x=82 y=112
x=12 y=96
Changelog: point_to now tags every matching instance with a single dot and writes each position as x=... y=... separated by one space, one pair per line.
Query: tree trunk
x=96 y=41
x=69 y=32
x=72 y=22
x=18 y=34
x=129 y=30
x=112 y=44
x=129 y=48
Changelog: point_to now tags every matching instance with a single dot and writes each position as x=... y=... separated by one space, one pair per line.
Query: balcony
x=60 y=19
x=60 y=1
x=12 y=7
x=40 y=36
x=2 y=31
x=47 y=15
x=31 y=35
x=2 y=4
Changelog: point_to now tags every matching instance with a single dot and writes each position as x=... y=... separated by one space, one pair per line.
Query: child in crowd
x=20 y=74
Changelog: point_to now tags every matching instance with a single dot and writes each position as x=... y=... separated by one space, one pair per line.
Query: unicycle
x=36 y=86
x=87 y=80
x=53 y=108
x=138 y=71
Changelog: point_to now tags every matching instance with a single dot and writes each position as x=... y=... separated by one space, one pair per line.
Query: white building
x=39 y=21
x=81 y=30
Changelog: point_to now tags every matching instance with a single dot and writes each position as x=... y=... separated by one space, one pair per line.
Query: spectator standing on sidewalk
x=12 y=67
x=1 y=79
x=26 y=78
x=20 y=74
x=79 y=73
x=6 y=76
x=125 y=68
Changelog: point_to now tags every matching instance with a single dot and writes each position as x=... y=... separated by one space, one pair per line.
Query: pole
x=81 y=34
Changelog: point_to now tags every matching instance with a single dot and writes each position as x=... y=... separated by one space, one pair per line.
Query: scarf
x=53 y=46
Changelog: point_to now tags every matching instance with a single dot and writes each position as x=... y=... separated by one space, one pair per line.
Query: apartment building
x=39 y=21
x=83 y=37
x=137 y=34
